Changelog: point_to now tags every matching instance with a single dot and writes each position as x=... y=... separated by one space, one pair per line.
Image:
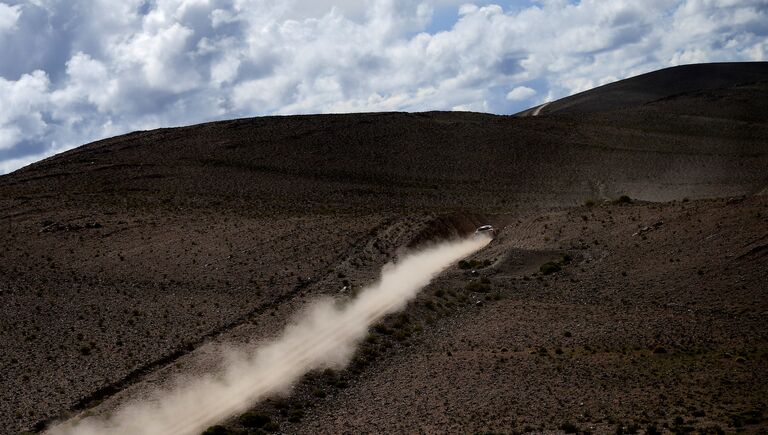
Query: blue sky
x=73 y=71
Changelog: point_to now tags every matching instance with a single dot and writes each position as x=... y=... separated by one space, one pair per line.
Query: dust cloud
x=324 y=337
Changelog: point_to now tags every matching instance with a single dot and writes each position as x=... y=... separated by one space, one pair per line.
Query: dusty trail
x=537 y=112
x=325 y=336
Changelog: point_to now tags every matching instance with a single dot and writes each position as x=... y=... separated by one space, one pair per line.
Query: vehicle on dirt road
x=486 y=230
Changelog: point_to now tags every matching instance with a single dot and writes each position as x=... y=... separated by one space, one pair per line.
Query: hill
x=657 y=85
x=124 y=259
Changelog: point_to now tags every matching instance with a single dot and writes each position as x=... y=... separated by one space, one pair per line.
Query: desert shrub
x=479 y=287
x=402 y=334
x=750 y=417
x=319 y=393
x=623 y=199
x=652 y=430
x=402 y=321
x=219 y=430
x=474 y=264
x=485 y=280
x=359 y=363
x=629 y=429
x=296 y=415
x=254 y=420
x=549 y=268
x=271 y=427
x=369 y=353
x=569 y=427
x=589 y=203
x=382 y=329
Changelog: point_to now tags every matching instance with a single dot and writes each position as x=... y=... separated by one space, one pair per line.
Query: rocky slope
x=122 y=257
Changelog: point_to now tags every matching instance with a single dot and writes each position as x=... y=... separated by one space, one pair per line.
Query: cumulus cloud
x=79 y=70
x=8 y=17
x=24 y=103
x=521 y=93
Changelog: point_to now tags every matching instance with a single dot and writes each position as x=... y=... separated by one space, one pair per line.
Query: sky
x=74 y=71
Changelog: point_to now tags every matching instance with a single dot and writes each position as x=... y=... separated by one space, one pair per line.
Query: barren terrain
x=127 y=261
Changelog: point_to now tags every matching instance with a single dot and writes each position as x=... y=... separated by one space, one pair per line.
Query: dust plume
x=324 y=337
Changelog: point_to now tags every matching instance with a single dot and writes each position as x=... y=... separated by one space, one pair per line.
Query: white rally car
x=485 y=230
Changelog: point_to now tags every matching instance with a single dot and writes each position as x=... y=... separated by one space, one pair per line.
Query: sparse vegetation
x=220 y=430
x=623 y=199
x=254 y=420
x=549 y=267
x=478 y=286
x=181 y=275
x=295 y=415
x=652 y=429
x=474 y=264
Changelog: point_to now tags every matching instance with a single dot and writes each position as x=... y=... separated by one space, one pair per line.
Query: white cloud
x=21 y=114
x=8 y=17
x=521 y=93
x=84 y=69
x=163 y=56
x=9 y=136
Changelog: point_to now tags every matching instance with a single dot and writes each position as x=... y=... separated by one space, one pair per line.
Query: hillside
x=672 y=82
x=127 y=259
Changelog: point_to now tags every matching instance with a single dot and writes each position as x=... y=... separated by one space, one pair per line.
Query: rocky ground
x=127 y=261
x=654 y=322
x=663 y=329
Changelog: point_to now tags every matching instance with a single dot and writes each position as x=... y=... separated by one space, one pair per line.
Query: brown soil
x=125 y=260
x=665 y=329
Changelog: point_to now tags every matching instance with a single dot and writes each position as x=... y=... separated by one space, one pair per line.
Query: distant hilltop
x=656 y=85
